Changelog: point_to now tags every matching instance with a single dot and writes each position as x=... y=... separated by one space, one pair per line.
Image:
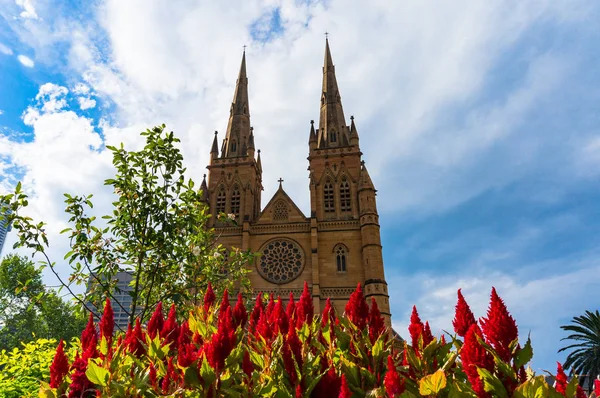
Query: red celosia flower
x=304 y=307
x=166 y=383
x=222 y=342
x=295 y=345
x=463 y=317
x=415 y=328
x=156 y=321
x=107 y=322
x=279 y=319
x=597 y=387
x=328 y=386
x=80 y=384
x=270 y=306
x=579 y=393
x=291 y=308
x=499 y=328
x=344 y=390
x=239 y=312
x=561 y=380
x=427 y=335
x=89 y=336
x=171 y=376
x=186 y=355
x=376 y=324
x=443 y=340
x=357 y=309
x=59 y=367
x=474 y=356
x=170 y=329
x=394 y=384
x=328 y=314
x=185 y=334
x=292 y=351
x=255 y=315
x=263 y=328
x=152 y=376
x=224 y=302
x=247 y=365
x=209 y=298
x=298 y=391
x=135 y=340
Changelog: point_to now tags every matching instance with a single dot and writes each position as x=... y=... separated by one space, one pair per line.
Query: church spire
x=238 y=128
x=333 y=131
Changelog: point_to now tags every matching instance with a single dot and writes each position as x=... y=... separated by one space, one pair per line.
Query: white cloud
x=80 y=89
x=539 y=305
x=51 y=96
x=5 y=50
x=1 y=111
x=86 y=103
x=28 y=9
x=26 y=61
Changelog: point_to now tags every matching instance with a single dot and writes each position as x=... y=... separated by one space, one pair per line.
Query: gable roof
x=294 y=212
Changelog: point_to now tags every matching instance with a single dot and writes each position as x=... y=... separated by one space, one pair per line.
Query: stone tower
x=333 y=249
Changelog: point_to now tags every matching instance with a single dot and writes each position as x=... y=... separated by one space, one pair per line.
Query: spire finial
x=244 y=46
x=326 y=35
x=280 y=181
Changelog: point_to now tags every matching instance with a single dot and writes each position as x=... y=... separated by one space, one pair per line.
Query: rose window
x=282 y=261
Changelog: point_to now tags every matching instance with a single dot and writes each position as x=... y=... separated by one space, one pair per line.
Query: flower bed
x=287 y=351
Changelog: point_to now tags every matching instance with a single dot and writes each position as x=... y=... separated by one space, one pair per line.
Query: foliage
x=157 y=230
x=21 y=369
x=28 y=309
x=584 y=359
x=285 y=351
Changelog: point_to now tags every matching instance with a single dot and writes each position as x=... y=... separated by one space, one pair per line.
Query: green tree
x=157 y=231
x=28 y=310
x=584 y=359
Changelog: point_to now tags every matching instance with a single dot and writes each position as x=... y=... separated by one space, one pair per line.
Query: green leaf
x=524 y=355
x=97 y=374
x=103 y=346
x=432 y=384
x=207 y=373
x=492 y=383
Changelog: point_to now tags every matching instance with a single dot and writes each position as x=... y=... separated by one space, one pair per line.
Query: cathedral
x=335 y=247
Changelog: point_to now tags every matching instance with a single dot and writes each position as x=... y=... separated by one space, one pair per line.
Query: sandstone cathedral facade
x=334 y=248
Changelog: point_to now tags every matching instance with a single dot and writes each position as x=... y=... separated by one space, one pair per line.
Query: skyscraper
x=4 y=229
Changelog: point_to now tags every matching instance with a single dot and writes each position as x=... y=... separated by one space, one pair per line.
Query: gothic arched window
x=233 y=146
x=235 y=201
x=332 y=137
x=328 y=197
x=345 y=201
x=341 y=258
x=221 y=200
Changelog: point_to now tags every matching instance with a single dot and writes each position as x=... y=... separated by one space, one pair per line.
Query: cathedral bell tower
x=342 y=194
x=234 y=173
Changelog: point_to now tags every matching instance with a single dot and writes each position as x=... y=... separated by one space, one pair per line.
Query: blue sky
x=479 y=124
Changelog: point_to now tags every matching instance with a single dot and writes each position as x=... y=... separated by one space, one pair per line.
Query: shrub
x=286 y=351
x=21 y=369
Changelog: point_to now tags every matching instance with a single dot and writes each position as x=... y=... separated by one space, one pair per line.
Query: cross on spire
x=280 y=181
x=326 y=35
x=244 y=47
